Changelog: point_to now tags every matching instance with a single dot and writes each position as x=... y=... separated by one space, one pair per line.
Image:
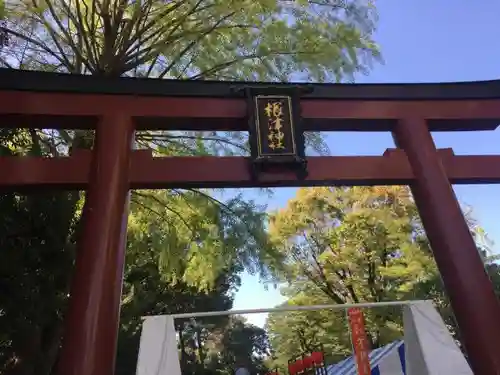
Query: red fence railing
x=308 y=364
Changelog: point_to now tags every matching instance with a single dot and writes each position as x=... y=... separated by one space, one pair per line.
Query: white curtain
x=429 y=347
x=391 y=364
x=158 y=353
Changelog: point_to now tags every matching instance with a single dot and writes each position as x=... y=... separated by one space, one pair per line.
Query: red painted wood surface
x=91 y=322
x=468 y=286
x=169 y=172
x=62 y=110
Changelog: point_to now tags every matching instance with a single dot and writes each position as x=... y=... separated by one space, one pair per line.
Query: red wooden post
x=89 y=345
x=471 y=293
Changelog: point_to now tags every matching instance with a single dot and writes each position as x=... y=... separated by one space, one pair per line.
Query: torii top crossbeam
x=215 y=105
x=116 y=107
x=38 y=99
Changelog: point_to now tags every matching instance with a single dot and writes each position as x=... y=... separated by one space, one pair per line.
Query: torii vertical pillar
x=471 y=293
x=90 y=337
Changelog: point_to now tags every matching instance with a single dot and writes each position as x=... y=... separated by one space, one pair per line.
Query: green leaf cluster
x=198 y=236
x=195 y=39
x=356 y=244
x=238 y=343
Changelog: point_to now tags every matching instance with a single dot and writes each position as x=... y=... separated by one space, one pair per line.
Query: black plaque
x=276 y=137
x=274 y=126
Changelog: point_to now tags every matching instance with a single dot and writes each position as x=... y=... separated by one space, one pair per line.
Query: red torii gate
x=116 y=107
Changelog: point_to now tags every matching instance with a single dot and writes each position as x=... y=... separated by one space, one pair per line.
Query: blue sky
x=421 y=41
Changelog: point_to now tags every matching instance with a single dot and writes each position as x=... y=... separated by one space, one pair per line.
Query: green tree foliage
x=354 y=244
x=37 y=243
x=194 y=39
x=237 y=343
x=351 y=245
x=199 y=237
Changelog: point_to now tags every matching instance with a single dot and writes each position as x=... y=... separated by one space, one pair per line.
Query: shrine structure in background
x=116 y=107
